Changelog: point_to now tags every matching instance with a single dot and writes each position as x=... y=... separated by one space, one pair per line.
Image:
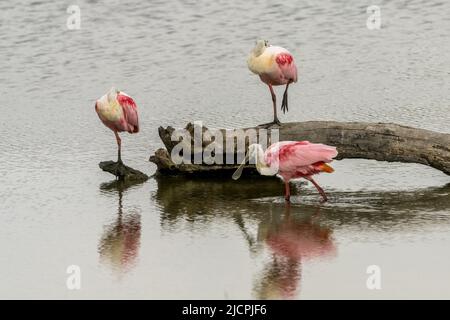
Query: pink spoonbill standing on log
x=275 y=66
x=118 y=111
x=291 y=160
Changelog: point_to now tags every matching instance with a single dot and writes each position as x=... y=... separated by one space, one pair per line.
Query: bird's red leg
x=119 y=143
x=284 y=103
x=287 y=195
x=274 y=101
x=322 y=193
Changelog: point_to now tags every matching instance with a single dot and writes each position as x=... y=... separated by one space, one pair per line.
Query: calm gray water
x=177 y=238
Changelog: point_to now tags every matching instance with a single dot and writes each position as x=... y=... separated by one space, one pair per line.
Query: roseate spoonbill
x=275 y=66
x=291 y=160
x=118 y=111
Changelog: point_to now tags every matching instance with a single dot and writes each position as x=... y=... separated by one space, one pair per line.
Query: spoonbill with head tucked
x=291 y=160
x=275 y=66
x=118 y=111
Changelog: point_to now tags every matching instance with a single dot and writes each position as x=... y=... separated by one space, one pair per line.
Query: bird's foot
x=275 y=123
x=324 y=199
x=287 y=199
x=119 y=169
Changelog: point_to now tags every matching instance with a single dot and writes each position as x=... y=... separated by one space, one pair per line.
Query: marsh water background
x=185 y=61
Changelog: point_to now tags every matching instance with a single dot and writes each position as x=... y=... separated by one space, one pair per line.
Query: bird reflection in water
x=291 y=235
x=120 y=241
x=290 y=240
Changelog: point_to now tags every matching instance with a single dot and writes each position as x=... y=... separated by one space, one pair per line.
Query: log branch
x=378 y=141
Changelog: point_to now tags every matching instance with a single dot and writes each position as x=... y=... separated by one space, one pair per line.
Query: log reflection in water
x=291 y=236
x=204 y=200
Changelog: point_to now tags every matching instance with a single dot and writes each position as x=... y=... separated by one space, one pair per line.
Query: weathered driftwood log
x=123 y=172
x=379 y=141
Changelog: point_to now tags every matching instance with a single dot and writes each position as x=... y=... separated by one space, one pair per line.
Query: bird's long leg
x=287 y=195
x=322 y=193
x=119 y=143
x=274 y=101
x=284 y=103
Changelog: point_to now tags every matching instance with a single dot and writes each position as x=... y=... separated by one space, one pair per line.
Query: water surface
x=178 y=238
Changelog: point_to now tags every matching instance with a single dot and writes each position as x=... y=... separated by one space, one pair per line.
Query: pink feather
x=298 y=158
x=131 y=119
x=287 y=66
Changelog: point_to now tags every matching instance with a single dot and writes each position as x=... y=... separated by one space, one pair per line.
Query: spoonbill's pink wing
x=312 y=153
x=287 y=66
x=274 y=151
x=293 y=154
x=130 y=112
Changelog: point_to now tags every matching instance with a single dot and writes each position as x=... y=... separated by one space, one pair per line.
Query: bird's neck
x=263 y=168
x=258 y=50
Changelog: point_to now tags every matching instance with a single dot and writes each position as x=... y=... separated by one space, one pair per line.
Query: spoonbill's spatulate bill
x=291 y=160
x=275 y=66
x=118 y=111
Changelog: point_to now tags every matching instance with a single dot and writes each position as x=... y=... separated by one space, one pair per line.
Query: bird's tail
x=325 y=167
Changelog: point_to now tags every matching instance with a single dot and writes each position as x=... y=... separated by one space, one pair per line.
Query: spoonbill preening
x=275 y=66
x=118 y=111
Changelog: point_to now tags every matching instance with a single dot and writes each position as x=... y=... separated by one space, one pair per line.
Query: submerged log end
x=162 y=160
x=123 y=172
